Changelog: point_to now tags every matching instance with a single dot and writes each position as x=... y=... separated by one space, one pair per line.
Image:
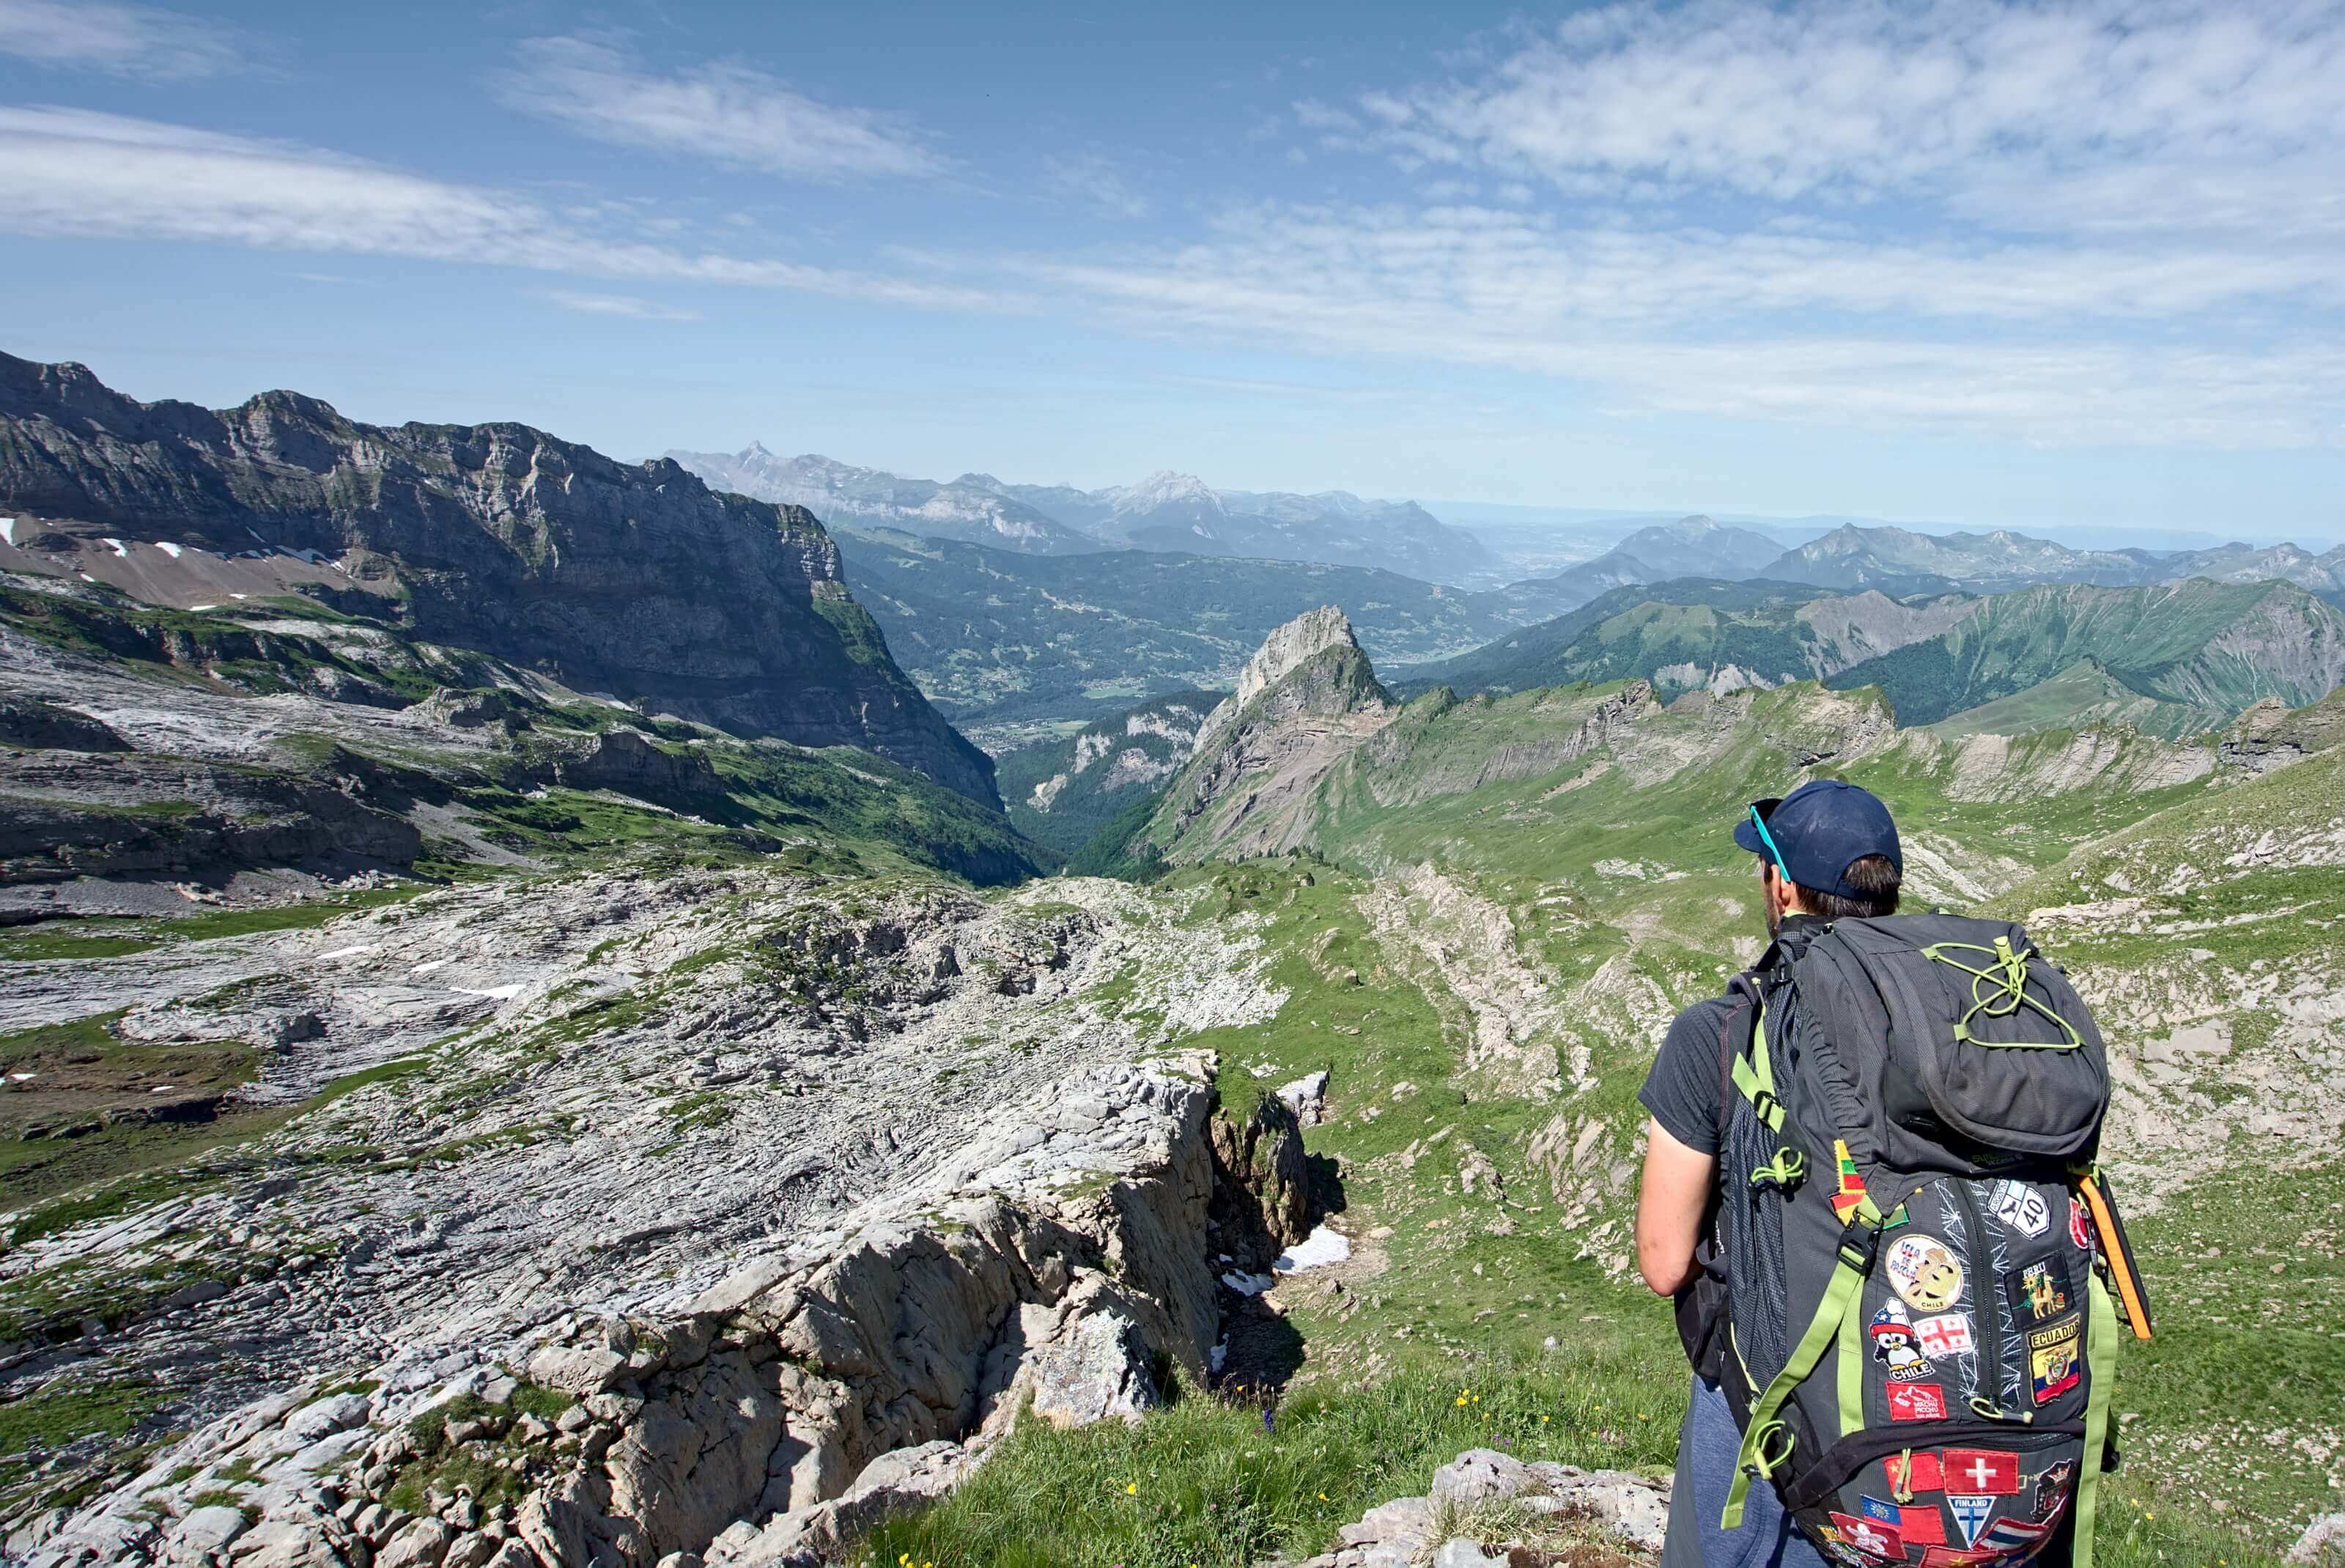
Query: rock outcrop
x=1305 y=698
x=1542 y=1502
x=635 y=578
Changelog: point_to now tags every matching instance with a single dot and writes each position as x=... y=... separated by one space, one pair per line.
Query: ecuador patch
x=2053 y=1362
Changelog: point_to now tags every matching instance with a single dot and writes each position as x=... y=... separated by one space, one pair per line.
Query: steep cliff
x=632 y=579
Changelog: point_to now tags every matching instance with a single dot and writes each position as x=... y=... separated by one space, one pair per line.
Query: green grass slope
x=2206 y=649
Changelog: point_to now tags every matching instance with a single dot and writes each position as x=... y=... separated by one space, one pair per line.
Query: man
x=1827 y=850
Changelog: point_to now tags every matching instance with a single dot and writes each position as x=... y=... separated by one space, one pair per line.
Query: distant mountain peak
x=1166 y=487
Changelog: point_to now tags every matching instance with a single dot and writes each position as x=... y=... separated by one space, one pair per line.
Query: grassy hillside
x=2204 y=650
x=1061 y=792
x=1697 y=633
x=1485 y=937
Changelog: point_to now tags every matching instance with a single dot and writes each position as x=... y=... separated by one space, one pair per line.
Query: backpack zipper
x=1987 y=1330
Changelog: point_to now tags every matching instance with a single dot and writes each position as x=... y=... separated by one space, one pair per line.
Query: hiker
x=1841 y=846
x=1858 y=1162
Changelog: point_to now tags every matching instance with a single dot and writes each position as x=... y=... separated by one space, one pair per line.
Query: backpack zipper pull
x=1988 y=1409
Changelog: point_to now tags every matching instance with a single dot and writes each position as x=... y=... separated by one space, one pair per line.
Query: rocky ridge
x=575 y=1201
x=629 y=579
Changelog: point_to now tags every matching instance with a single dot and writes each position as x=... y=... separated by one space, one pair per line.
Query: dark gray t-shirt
x=1681 y=1090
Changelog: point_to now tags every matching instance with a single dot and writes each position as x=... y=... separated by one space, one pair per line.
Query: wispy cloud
x=68 y=172
x=2058 y=221
x=1095 y=183
x=125 y=40
x=727 y=112
x=618 y=305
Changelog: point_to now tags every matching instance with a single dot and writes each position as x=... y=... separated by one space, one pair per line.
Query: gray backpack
x=1913 y=1334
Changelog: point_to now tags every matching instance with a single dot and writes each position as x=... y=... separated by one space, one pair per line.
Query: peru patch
x=1917 y=1401
x=2052 y=1360
x=2040 y=1291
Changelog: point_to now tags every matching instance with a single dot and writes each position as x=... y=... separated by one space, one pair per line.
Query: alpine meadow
x=1554 y=786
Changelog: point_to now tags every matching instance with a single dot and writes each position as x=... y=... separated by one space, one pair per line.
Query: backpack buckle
x=1859 y=1244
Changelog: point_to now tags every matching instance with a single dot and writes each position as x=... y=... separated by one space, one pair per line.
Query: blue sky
x=2059 y=264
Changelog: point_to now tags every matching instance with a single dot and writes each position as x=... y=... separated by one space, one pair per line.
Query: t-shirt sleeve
x=1681 y=1090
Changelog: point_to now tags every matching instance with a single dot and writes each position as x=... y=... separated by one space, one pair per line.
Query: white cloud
x=1858 y=98
x=73 y=173
x=726 y=112
x=1834 y=326
x=1091 y=180
x=622 y=305
x=127 y=40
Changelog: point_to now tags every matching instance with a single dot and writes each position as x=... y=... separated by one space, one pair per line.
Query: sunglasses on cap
x=1761 y=810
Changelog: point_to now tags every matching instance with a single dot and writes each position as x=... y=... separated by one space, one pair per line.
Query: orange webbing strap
x=2117 y=1253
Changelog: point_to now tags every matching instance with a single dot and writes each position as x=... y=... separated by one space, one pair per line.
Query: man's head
x=1828 y=848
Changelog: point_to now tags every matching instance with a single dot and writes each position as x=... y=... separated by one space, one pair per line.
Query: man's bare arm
x=1669 y=1207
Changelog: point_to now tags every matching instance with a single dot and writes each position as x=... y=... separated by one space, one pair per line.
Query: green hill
x=1063 y=792
x=1696 y=634
x=2082 y=694
x=2202 y=651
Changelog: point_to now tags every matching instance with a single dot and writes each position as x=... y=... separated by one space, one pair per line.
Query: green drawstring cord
x=1986 y=1408
x=1785 y=1170
x=1999 y=989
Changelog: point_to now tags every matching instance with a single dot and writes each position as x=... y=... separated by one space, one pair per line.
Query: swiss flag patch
x=1981 y=1471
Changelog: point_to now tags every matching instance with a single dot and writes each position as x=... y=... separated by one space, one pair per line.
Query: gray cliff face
x=632 y=579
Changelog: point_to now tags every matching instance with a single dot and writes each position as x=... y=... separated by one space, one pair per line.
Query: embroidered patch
x=1871 y=1537
x=1971 y=1512
x=2021 y=1207
x=2039 y=1291
x=1880 y=1513
x=1924 y=1525
x=1959 y=1557
x=1917 y=1401
x=2052 y=1360
x=1981 y=1469
x=1914 y=1472
x=2052 y=1491
x=2009 y=1534
x=1947 y=1334
x=2080 y=1226
x=1923 y=1269
x=1896 y=1346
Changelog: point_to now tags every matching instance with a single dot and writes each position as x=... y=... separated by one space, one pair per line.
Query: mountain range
x=628 y=579
x=496 y=977
x=1165 y=512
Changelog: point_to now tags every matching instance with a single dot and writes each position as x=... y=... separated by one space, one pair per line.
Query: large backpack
x=1915 y=1336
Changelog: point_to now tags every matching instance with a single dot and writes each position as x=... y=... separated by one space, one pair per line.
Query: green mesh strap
x=1851 y=1373
x=1754 y=1075
x=1840 y=1296
x=2100 y=1365
x=1999 y=989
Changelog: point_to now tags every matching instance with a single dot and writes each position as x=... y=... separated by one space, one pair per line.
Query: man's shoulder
x=1705 y=1019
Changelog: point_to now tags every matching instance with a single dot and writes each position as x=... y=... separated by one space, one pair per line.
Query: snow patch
x=167 y=548
x=345 y=951
x=8 y=527
x=494 y=993
x=117 y=545
x=435 y=963
x=1316 y=1250
x=1248 y=1284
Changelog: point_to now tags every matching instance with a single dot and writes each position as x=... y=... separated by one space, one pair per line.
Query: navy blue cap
x=1821 y=829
